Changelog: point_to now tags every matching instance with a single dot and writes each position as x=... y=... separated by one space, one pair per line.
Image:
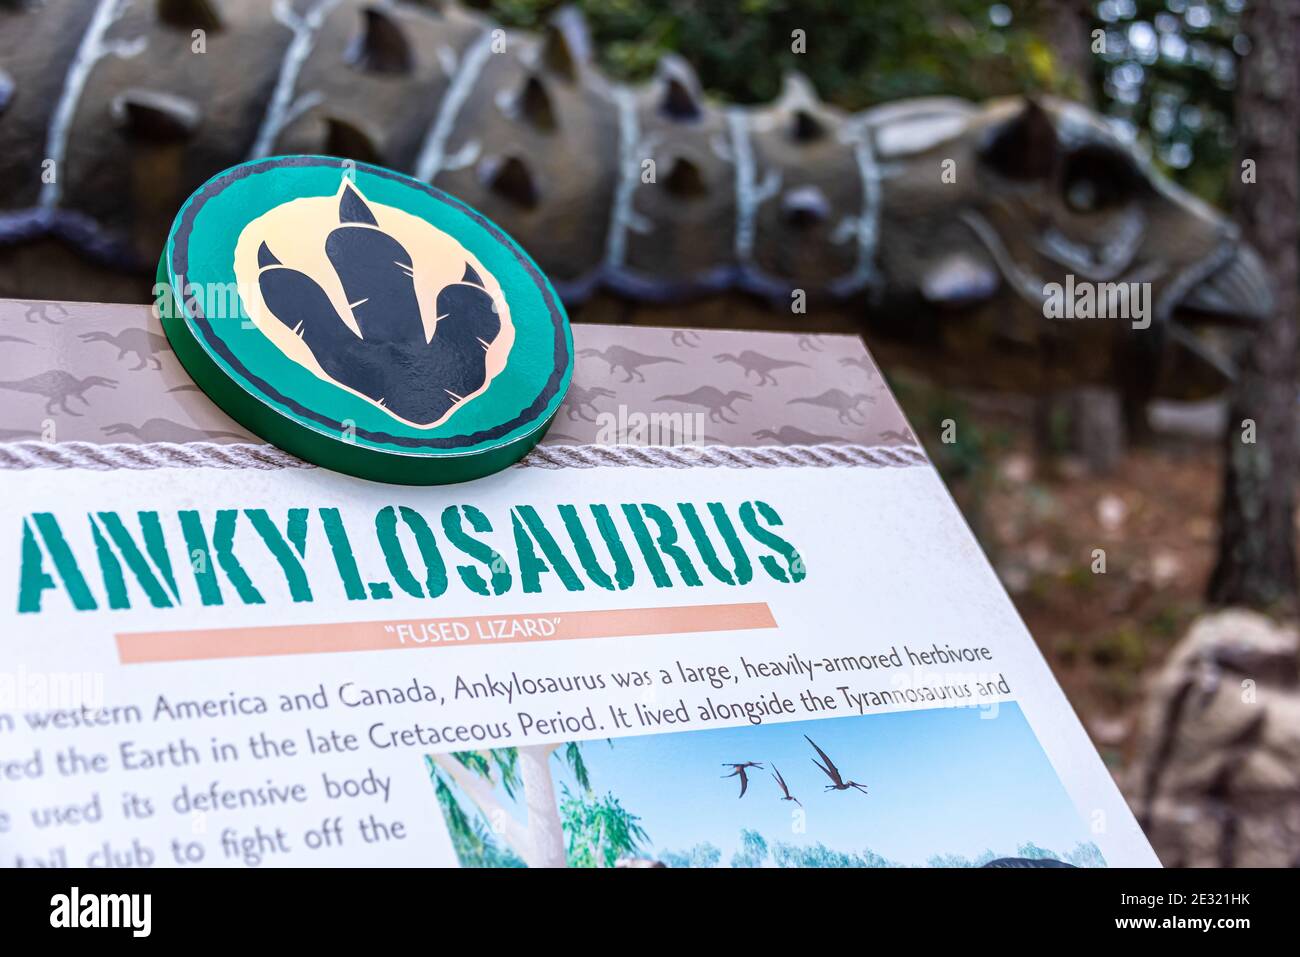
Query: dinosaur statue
x=919 y=222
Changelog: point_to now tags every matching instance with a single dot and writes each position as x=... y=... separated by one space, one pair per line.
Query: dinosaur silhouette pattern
x=792 y=435
x=859 y=362
x=392 y=362
x=759 y=365
x=717 y=402
x=58 y=387
x=40 y=312
x=141 y=343
x=628 y=360
x=848 y=406
x=693 y=386
x=581 y=402
x=165 y=430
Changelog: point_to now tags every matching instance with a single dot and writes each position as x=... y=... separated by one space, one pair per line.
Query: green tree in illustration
x=1086 y=855
x=958 y=860
x=819 y=855
x=1032 y=851
x=753 y=850
x=701 y=855
x=473 y=840
x=600 y=830
x=493 y=837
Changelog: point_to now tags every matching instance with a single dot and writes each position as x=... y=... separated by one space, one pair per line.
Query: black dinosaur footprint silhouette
x=392 y=362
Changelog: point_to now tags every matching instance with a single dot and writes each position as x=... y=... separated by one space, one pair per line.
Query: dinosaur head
x=1047 y=204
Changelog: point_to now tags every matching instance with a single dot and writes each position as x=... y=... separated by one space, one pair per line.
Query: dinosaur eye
x=1097 y=179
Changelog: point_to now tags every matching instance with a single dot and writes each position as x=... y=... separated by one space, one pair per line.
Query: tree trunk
x=1094 y=417
x=479 y=790
x=1067 y=26
x=1256 y=561
x=544 y=828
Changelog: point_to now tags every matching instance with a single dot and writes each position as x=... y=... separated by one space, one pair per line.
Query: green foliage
x=474 y=844
x=753 y=850
x=504 y=761
x=1167 y=70
x=600 y=830
x=956 y=860
x=701 y=855
x=973 y=450
x=571 y=755
x=1124 y=648
x=1086 y=855
x=857 y=52
x=965 y=453
x=1035 y=853
x=819 y=855
x=1083 y=855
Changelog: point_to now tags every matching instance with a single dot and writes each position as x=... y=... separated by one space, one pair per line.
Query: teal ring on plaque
x=363 y=320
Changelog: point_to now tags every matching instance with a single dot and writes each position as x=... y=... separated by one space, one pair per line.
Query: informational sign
x=771 y=660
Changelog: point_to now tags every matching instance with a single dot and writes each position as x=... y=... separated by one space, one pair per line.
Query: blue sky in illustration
x=944 y=781
x=948 y=781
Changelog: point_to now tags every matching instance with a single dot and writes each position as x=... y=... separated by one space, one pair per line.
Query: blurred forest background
x=1167 y=70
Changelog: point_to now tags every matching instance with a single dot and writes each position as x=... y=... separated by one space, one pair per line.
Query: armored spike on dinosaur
x=566 y=47
x=795 y=198
x=533 y=105
x=685 y=178
x=155 y=115
x=190 y=14
x=510 y=178
x=345 y=138
x=381 y=46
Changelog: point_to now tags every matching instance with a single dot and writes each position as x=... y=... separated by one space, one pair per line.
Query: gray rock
x=1217 y=777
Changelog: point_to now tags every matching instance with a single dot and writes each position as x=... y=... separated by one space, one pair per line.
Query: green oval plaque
x=363 y=320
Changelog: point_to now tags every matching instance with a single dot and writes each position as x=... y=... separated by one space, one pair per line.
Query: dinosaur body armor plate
x=936 y=224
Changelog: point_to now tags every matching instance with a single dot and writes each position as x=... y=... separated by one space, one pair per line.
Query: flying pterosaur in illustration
x=780 y=782
x=738 y=769
x=828 y=767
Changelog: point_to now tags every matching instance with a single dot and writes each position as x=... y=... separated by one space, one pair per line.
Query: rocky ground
x=1118 y=640
x=1150 y=525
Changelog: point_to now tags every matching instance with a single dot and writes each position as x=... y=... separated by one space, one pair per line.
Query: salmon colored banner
x=257 y=641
